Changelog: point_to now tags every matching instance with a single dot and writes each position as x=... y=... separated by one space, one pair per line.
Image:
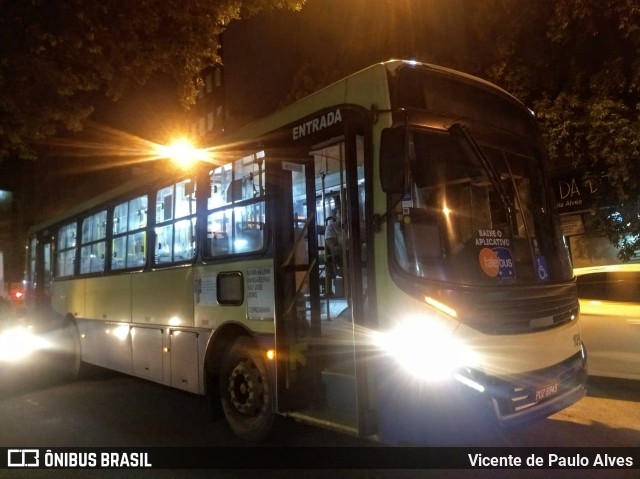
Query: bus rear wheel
x=245 y=391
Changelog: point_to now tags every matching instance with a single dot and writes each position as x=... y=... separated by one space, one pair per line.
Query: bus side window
x=175 y=223
x=248 y=237
x=236 y=205
x=218 y=243
x=128 y=245
x=217 y=237
x=230 y=288
x=66 y=250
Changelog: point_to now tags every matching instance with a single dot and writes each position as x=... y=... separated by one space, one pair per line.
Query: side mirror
x=393 y=159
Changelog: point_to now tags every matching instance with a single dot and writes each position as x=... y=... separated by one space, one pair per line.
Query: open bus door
x=320 y=375
x=297 y=285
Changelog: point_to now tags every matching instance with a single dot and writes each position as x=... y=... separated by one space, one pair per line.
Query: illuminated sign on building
x=575 y=192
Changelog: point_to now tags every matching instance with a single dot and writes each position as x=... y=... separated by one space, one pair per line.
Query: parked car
x=610 y=319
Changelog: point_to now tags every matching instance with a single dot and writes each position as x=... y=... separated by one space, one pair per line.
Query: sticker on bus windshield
x=541 y=267
x=495 y=255
x=491 y=237
x=497 y=263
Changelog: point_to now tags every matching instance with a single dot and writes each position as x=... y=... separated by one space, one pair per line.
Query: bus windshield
x=472 y=220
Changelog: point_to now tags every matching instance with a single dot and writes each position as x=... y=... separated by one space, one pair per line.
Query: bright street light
x=182 y=152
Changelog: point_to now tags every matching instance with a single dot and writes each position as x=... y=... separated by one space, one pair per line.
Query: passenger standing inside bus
x=333 y=246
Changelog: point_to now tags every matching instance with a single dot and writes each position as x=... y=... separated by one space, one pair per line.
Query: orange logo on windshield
x=489 y=262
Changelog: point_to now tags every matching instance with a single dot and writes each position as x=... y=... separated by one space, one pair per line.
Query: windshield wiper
x=478 y=158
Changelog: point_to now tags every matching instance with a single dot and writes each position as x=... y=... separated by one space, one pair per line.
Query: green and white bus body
x=452 y=285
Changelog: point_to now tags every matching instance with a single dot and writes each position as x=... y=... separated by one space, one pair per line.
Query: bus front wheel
x=245 y=391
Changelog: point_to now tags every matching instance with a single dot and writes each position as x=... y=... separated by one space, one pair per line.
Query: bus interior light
x=240 y=244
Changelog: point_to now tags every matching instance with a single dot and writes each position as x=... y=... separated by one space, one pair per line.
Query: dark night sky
x=262 y=54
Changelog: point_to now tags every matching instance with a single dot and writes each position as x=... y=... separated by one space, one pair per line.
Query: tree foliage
x=575 y=62
x=56 y=55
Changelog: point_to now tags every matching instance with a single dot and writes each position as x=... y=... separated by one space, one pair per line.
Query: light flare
x=426 y=349
x=121 y=332
x=102 y=147
x=182 y=152
x=18 y=343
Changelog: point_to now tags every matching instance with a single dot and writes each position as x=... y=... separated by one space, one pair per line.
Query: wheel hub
x=245 y=388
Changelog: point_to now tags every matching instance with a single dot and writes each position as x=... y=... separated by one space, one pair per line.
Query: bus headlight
x=425 y=349
x=18 y=343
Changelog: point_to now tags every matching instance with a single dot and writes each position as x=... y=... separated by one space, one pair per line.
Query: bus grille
x=520 y=316
x=519 y=393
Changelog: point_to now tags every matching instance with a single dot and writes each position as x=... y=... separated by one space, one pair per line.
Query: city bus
x=449 y=292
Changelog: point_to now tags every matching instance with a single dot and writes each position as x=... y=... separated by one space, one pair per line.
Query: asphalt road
x=112 y=410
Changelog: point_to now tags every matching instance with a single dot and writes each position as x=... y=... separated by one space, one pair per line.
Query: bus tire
x=74 y=367
x=245 y=390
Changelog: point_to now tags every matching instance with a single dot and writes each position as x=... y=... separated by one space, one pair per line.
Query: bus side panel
x=106 y=344
x=69 y=297
x=104 y=327
x=185 y=371
x=163 y=297
x=109 y=298
x=147 y=346
x=210 y=313
x=213 y=316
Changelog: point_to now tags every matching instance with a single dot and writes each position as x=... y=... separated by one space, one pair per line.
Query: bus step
x=340 y=390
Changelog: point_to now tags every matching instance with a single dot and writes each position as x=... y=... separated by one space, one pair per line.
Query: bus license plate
x=546 y=391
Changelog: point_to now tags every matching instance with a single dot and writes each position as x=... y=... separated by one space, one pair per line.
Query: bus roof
x=348 y=90
x=367 y=87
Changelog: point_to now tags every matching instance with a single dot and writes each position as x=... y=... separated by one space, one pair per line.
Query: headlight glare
x=425 y=349
x=18 y=343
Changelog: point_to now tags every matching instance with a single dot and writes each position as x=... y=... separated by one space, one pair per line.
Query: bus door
x=297 y=283
x=41 y=248
x=317 y=293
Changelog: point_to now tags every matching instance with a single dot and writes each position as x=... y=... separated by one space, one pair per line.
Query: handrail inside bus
x=304 y=279
x=292 y=251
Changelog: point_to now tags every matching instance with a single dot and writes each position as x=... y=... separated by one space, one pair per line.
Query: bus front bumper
x=523 y=399
x=416 y=412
